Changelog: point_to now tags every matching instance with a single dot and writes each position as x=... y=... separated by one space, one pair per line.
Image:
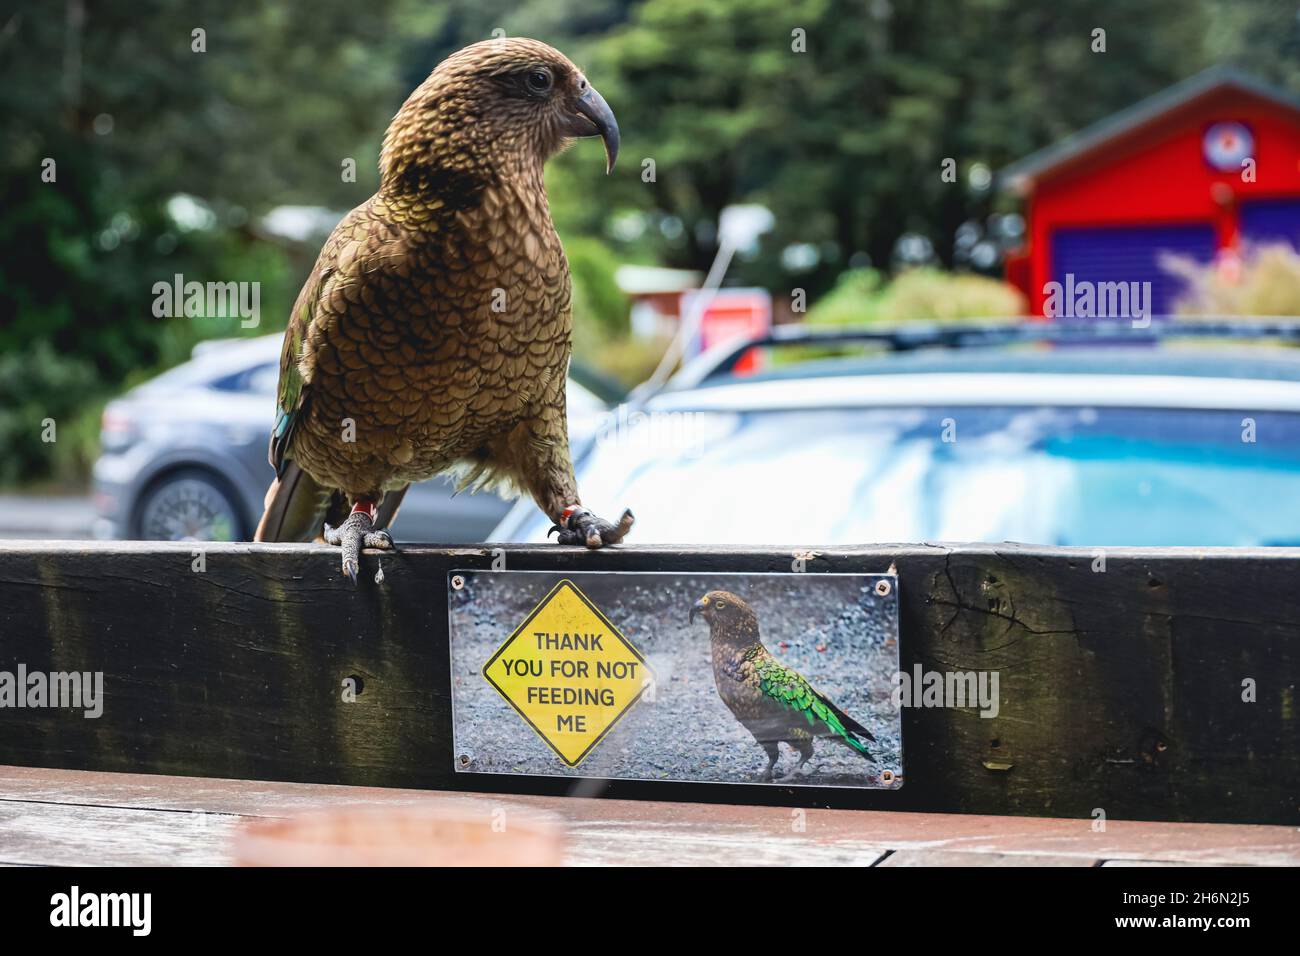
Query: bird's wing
x=292 y=394
x=792 y=691
x=355 y=254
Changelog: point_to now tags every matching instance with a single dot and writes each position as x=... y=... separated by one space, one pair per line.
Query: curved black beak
x=595 y=118
x=697 y=607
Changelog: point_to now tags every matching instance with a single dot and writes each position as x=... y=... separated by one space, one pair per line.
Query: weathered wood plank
x=1146 y=863
x=1121 y=691
x=60 y=835
x=613 y=832
x=975 y=858
x=66 y=835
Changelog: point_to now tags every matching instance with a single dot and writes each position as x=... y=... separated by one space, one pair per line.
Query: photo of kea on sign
x=774 y=702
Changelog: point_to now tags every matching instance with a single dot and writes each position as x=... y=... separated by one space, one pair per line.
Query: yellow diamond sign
x=569 y=673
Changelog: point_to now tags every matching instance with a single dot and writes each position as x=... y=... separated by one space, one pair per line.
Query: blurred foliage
x=1266 y=281
x=844 y=142
x=132 y=116
x=864 y=297
x=629 y=360
x=601 y=335
x=597 y=300
x=41 y=391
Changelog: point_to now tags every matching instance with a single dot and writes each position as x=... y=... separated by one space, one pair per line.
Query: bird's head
x=726 y=614
x=497 y=104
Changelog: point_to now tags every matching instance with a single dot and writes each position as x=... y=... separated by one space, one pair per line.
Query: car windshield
x=1046 y=475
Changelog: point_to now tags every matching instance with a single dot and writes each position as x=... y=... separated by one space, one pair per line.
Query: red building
x=1200 y=170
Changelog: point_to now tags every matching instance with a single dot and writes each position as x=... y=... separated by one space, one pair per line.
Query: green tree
x=845 y=140
x=110 y=111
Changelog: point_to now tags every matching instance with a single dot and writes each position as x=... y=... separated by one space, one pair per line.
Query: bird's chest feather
x=450 y=341
x=737 y=681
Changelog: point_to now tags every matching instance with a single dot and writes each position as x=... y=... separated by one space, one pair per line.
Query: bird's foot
x=579 y=526
x=355 y=533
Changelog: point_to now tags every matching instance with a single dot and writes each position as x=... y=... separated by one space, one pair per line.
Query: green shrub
x=599 y=306
x=862 y=297
x=42 y=396
x=1267 y=282
x=630 y=360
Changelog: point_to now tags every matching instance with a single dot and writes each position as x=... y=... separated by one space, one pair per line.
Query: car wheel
x=189 y=505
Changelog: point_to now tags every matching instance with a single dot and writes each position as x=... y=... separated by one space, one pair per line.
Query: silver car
x=184 y=455
x=1094 y=437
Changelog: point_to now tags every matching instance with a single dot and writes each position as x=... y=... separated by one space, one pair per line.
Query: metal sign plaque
x=709 y=678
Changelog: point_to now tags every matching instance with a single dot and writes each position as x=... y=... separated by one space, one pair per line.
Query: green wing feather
x=790 y=689
x=292 y=393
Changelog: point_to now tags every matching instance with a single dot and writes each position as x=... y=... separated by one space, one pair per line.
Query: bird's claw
x=354 y=534
x=580 y=526
x=380 y=540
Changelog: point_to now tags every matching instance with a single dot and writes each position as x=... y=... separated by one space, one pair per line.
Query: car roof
x=1197 y=360
x=1193 y=375
x=216 y=359
x=986 y=390
x=233 y=354
x=1002 y=362
x=1180 y=347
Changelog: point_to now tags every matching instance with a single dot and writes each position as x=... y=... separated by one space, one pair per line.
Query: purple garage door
x=1271 y=221
x=1131 y=254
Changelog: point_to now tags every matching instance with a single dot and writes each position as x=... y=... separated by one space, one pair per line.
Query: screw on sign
x=569 y=673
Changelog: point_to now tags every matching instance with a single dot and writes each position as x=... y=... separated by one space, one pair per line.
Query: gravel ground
x=832 y=628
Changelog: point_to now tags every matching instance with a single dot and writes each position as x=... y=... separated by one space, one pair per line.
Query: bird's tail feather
x=851 y=725
x=295 y=507
x=857 y=746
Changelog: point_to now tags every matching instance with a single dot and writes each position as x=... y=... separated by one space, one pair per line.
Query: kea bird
x=774 y=702
x=433 y=334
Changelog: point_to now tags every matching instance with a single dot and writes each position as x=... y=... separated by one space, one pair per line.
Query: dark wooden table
x=63 y=817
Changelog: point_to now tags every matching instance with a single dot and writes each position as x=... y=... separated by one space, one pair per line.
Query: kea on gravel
x=773 y=701
x=433 y=334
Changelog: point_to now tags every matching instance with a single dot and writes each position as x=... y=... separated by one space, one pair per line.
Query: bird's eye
x=539 y=81
x=720 y=605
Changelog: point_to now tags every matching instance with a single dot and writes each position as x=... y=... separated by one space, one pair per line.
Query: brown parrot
x=433 y=334
x=774 y=702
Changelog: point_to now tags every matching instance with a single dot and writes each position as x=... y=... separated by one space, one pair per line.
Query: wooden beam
x=156 y=819
x=1121 y=690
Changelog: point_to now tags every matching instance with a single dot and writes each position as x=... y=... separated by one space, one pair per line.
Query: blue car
x=1100 y=441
